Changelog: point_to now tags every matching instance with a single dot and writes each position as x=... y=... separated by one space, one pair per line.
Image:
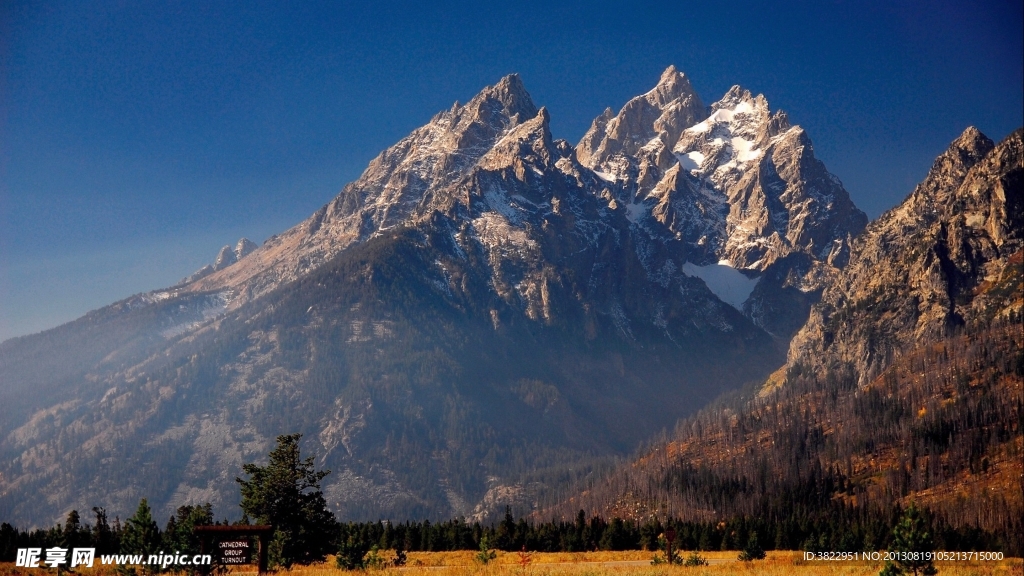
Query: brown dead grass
x=461 y=563
x=593 y=564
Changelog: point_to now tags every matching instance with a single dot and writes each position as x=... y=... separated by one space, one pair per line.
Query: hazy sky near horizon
x=137 y=138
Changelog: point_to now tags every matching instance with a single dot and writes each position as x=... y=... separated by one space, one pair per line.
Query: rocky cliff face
x=948 y=257
x=226 y=257
x=736 y=186
x=484 y=301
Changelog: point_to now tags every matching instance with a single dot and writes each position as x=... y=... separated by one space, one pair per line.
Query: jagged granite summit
x=226 y=257
x=949 y=257
x=398 y=187
x=483 y=308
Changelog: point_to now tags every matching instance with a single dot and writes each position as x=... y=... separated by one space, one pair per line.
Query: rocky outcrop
x=737 y=186
x=639 y=139
x=226 y=257
x=740 y=187
x=949 y=256
x=780 y=198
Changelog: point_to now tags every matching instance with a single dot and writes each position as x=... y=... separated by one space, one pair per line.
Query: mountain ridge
x=533 y=288
x=959 y=226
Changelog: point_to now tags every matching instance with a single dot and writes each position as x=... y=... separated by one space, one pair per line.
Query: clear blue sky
x=136 y=138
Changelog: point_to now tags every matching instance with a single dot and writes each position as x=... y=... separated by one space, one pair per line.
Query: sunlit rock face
x=949 y=256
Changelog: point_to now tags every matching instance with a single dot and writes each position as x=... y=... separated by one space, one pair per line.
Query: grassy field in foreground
x=596 y=564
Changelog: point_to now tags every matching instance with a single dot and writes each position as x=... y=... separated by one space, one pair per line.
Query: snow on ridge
x=743 y=150
x=211 y=307
x=720 y=116
x=728 y=135
x=496 y=232
x=498 y=202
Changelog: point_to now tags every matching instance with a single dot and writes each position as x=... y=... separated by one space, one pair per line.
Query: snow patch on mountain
x=729 y=284
x=728 y=137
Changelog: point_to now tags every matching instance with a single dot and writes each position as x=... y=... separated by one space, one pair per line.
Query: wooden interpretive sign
x=233 y=545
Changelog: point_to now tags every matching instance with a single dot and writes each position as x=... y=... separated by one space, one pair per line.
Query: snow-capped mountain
x=484 y=300
x=758 y=173
x=733 y=186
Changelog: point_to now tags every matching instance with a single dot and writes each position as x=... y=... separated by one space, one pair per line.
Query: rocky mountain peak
x=737 y=95
x=244 y=247
x=963 y=153
x=225 y=258
x=973 y=142
x=406 y=181
x=673 y=85
x=478 y=260
x=492 y=110
x=660 y=114
x=947 y=257
x=511 y=92
x=948 y=171
x=740 y=186
x=761 y=173
x=530 y=142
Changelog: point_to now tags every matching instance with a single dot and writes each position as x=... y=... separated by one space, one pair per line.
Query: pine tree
x=74 y=534
x=286 y=494
x=485 y=554
x=504 y=535
x=102 y=535
x=141 y=535
x=180 y=536
x=912 y=541
x=753 y=549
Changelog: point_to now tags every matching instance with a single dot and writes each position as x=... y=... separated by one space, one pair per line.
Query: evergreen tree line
x=844 y=528
x=819 y=464
x=850 y=530
x=139 y=534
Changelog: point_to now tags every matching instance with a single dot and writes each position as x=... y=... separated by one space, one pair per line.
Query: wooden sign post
x=231 y=543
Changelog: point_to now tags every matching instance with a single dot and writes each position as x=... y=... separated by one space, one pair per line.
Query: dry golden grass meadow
x=630 y=563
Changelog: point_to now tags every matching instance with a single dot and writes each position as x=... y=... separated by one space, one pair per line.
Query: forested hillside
x=942 y=427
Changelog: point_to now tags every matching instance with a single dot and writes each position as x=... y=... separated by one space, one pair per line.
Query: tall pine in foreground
x=141 y=536
x=286 y=494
